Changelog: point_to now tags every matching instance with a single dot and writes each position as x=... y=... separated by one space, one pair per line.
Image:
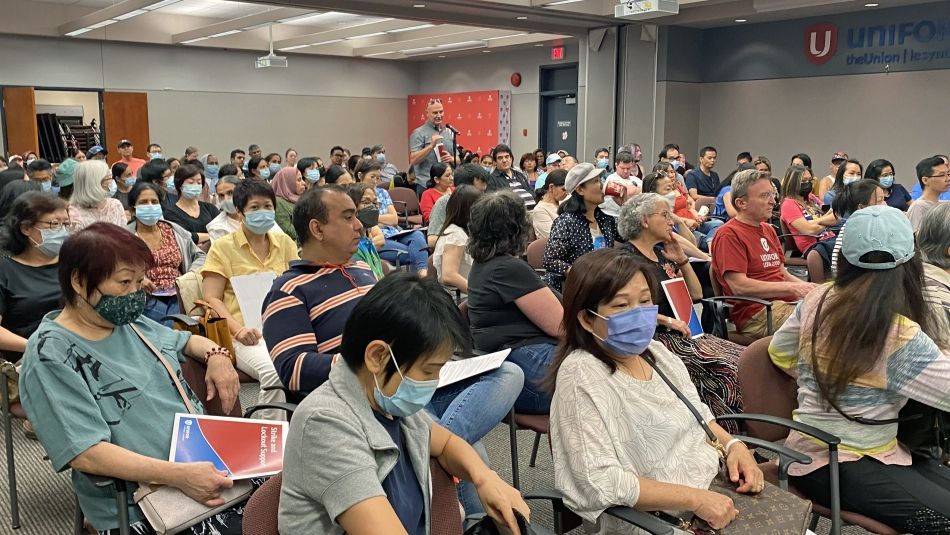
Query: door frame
x=542 y=114
x=3 y=111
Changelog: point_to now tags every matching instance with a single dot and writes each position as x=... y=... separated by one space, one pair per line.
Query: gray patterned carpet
x=47 y=507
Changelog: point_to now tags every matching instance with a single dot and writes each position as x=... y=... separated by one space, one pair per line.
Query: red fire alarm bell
x=516 y=79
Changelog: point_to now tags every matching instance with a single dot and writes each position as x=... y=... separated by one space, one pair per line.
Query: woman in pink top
x=802 y=217
x=91 y=201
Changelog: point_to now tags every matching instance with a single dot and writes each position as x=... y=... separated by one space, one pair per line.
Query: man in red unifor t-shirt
x=748 y=260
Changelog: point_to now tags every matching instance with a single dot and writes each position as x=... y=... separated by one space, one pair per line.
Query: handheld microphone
x=452 y=128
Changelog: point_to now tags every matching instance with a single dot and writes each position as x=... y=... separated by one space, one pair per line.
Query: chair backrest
x=788 y=241
x=765 y=390
x=446 y=511
x=260 y=512
x=407 y=196
x=535 y=253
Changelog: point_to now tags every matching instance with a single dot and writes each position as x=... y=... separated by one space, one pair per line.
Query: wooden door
x=19 y=108
x=125 y=116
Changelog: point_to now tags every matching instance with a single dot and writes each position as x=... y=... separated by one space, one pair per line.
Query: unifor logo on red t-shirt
x=765 y=244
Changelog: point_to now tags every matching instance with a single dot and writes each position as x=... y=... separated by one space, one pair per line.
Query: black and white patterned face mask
x=121 y=309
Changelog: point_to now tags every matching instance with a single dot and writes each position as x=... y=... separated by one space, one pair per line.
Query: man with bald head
x=424 y=140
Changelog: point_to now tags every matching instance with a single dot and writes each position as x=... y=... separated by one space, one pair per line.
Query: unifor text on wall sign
x=906 y=42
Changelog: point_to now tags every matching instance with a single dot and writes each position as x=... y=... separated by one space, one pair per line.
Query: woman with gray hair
x=646 y=225
x=933 y=238
x=92 y=200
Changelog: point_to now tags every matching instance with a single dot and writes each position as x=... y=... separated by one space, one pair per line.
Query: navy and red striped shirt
x=304 y=314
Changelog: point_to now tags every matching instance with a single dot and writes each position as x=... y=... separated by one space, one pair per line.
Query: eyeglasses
x=55 y=225
x=666 y=215
x=942 y=176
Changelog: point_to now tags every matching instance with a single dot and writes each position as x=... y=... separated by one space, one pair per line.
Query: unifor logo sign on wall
x=884 y=44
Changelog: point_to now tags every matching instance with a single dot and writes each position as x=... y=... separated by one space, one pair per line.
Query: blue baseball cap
x=552 y=158
x=94 y=150
x=878 y=229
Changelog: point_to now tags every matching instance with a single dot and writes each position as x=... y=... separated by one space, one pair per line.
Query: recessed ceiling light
x=418 y=5
x=486 y=51
x=871 y=4
x=742 y=20
x=522 y=18
x=441 y=56
x=539 y=44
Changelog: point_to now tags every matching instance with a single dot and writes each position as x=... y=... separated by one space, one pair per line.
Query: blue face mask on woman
x=265 y=173
x=191 y=191
x=629 y=332
x=148 y=214
x=411 y=396
x=313 y=175
x=259 y=221
x=886 y=181
x=274 y=168
x=211 y=171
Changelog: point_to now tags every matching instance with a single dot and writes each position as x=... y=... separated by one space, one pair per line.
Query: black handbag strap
x=709 y=433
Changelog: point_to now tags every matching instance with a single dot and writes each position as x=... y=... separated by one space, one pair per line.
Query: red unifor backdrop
x=483 y=118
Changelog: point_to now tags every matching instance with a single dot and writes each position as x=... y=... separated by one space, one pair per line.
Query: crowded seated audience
x=747 y=259
x=355 y=328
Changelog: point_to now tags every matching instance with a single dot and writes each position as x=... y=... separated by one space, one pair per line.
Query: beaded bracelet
x=217 y=351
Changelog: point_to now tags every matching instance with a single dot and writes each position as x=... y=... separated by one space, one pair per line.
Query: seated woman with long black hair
x=861 y=348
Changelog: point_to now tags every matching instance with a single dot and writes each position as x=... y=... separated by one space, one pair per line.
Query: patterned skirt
x=713 y=365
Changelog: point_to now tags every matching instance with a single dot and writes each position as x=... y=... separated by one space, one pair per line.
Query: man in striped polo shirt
x=307 y=306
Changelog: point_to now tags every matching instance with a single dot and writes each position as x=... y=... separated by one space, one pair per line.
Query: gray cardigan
x=337 y=455
x=192 y=258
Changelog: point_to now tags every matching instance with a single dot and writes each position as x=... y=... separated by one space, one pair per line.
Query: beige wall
x=89 y=100
x=901 y=117
x=309 y=124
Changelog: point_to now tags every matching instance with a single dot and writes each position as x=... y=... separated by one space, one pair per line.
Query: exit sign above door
x=557 y=53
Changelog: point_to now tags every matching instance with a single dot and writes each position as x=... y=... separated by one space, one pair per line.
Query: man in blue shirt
x=917 y=191
x=703 y=182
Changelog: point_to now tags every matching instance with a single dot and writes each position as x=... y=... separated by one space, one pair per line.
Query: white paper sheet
x=458 y=370
x=250 y=291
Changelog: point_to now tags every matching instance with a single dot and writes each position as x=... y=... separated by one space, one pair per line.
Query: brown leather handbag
x=209 y=325
x=771 y=512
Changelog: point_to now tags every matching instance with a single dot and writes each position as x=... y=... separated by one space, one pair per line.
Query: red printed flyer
x=244 y=448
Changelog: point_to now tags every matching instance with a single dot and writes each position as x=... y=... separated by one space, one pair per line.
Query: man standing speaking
x=431 y=142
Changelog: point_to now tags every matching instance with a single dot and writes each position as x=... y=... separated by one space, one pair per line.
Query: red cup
x=615 y=189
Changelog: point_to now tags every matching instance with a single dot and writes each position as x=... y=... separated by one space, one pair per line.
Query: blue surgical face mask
x=113 y=187
x=191 y=191
x=411 y=396
x=850 y=179
x=47 y=185
x=148 y=214
x=886 y=181
x=629 y=332
x=155 y=156
x=170 y=184
x=52 y=241
x=128 y=181
x=381 y=158
x=259 y=221
x=313 y=175
x=227 y=205
x=675 y=164
x=264 y=173
x=274 y=168
x=602 y=163
x=211 y=171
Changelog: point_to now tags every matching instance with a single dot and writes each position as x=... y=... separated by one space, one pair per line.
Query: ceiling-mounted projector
x=646 y=9
x=271 y=60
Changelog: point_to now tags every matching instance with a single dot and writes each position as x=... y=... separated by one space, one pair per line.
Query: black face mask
x=805 y=189
x=369 y=217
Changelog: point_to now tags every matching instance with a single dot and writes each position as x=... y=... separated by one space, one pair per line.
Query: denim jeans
x=704 y=233
x=408 y=249
x=156 y=309
x=534 y=360
x=471 y=408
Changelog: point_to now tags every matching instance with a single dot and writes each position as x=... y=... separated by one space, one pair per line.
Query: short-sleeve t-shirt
x=752 y=250
x=79 y=392
x=419 y=139
x=705 y=184
x=27 y=293
x=401 y=484
x=497 y=322
x=898 y=197
x=918 y=211
x=206 y=214
x=453 y=235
